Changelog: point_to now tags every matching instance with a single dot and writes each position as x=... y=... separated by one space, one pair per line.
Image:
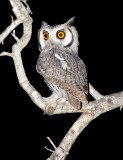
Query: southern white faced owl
x=64 y=72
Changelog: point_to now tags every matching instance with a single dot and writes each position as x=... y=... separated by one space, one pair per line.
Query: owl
x=63 y=70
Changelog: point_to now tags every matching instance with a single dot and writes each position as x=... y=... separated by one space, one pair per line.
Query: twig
x=51 y=144
x=6 y=54
x=49 y=149
x=54 y=146
x=14 y=36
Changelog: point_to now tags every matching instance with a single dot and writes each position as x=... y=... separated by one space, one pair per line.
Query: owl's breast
x=63 y=69
x=47 y=64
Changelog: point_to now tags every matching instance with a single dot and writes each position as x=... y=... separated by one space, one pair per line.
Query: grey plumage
x=64 y=72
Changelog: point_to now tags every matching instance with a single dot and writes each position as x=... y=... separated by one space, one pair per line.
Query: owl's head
x=63 y=36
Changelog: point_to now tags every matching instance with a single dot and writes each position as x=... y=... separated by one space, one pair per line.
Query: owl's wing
x=76 y=76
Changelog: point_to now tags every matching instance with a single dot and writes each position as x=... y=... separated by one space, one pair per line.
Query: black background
x=24 y=127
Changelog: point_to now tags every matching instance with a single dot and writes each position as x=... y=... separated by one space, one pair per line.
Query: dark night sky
x=24 y=128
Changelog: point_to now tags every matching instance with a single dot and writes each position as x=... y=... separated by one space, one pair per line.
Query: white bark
x=9 y=29
x=53 y=105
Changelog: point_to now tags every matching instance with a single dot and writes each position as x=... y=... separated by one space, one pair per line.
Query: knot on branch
x=49 y=110
x=109 y=102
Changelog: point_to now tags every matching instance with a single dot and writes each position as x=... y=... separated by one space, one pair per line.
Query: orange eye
x=61 y=34
x=46 y=35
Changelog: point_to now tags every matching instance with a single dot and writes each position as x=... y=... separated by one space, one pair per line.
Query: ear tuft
x=70 y=21
x=44 y=23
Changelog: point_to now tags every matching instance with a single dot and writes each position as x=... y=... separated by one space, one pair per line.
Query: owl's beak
x=51 y=44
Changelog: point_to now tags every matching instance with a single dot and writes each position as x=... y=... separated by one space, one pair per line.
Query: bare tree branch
x=9 y=29
x=94 y=93
x=54 y=105
x=103 y=105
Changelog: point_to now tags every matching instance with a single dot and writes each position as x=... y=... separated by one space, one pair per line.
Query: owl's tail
x=75 y=102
